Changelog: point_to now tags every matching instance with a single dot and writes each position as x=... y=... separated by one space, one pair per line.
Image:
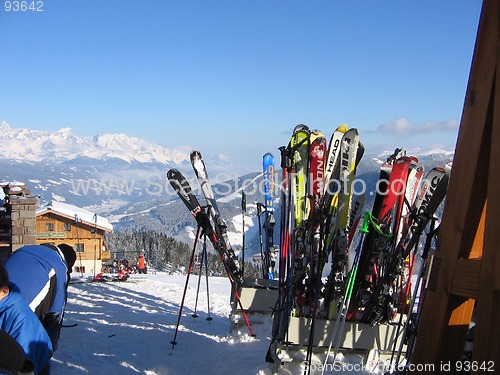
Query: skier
x=141 y=264
x=17 y=319
x=48 y=266
x=12 y=357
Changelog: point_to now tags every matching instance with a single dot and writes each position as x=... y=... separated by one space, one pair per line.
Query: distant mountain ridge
x=63 y=145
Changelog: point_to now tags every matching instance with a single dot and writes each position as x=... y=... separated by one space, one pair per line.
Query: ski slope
x=126 y=328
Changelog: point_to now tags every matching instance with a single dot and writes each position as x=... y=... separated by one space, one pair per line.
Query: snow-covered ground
x=127 y=327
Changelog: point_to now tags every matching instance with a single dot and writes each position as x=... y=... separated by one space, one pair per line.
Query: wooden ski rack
x=465 y=276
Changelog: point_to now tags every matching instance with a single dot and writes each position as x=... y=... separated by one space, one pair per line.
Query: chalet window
x=49 y=227
x=80 y=268
x=67 y=227
x=79 y=248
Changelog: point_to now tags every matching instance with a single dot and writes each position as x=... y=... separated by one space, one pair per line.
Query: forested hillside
x=165 y=253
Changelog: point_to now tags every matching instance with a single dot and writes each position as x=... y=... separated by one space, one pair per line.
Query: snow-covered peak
x=436 y=151
x=418 y=152
x=64 y=144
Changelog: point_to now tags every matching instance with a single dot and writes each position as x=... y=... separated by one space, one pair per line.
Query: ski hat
x=67 y=252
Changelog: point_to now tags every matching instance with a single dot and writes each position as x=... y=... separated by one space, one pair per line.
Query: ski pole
x=174 y=342
x=259 y=212
x=205 y=256
x=195 y=315
x=425 y=254
x=346 y=299
x=316 y=249
x=243 y=211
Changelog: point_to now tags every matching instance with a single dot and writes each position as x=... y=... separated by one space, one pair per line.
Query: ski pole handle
x=243 y=201
x=366 y=222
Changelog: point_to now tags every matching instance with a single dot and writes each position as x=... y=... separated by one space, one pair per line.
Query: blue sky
x=235 y=76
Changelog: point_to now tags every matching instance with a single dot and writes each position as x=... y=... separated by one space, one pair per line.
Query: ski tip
x=195 y=154
x=372 y=360
x=343 y=128
x=172 y=172
x=317 y=133
x=301 y=128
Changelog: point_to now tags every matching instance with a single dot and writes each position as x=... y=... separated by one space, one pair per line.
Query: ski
x=314 y=224
x=431 y=194
x=337 y=243
x=283 y=305
x=299 y=147
x=333 y=154
x=269 y=260
x=185 y=193
x=213 y=209
x=345 y=300
x=299 y=150
x=313 y=231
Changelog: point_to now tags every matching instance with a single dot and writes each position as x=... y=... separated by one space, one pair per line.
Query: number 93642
x=23 y=6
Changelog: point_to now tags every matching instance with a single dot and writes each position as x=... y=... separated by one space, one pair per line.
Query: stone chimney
x=17 y=218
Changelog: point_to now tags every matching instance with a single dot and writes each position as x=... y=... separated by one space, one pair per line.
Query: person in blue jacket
x=19 y=321
x=12 y=357
x=41 y=273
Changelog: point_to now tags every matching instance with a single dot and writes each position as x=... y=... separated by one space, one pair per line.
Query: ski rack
x=466 y=267
x=356 y=335
x=257 y=296
x=357 y=338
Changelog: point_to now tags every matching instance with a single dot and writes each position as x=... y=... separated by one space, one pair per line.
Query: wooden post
x=466 y=267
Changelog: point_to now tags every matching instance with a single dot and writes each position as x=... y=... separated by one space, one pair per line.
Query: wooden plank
x=468 y=273
x=466 y=279
x=486 y=345
x=465 y=203
x=477 y=246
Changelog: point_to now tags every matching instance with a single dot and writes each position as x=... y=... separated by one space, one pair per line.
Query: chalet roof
x=70 y=211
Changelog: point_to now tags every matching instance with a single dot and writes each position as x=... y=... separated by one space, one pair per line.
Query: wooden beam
x=445 y=317
x=486 y=336
x=466 y=279
x=468 y=271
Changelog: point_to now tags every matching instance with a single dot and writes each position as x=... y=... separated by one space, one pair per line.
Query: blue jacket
x=41 y=275
x=17 y=319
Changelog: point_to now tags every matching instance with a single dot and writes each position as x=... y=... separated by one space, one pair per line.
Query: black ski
x=219 y=224
x=185 y=193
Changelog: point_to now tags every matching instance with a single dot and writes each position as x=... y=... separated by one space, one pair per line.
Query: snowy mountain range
x=124 y=178
x=117 y=176
x=64 y=145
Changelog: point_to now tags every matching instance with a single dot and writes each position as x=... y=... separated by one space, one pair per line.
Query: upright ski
x=219 y=224
x=269 y=260
x=185 y=193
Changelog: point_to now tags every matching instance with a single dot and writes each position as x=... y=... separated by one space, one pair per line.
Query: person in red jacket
x=141 y=264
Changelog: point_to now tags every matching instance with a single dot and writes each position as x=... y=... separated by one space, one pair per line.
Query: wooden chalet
x=59 y=223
